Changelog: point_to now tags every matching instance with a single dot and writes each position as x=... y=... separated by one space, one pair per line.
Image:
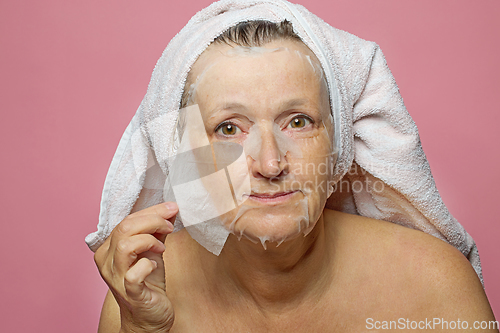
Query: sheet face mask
x=216 y=190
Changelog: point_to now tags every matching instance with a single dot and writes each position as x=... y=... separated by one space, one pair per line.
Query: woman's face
x=273 y=101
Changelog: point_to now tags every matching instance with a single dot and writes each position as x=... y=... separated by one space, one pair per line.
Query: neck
x=278 y=277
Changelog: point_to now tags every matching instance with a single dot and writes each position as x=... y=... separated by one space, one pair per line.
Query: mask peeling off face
x=272 y=103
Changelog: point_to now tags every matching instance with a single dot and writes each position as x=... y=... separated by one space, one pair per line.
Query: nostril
x=282 y=174
x=269 y=168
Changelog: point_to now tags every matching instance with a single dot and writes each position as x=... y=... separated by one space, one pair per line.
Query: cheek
x=315 y=161
x=313 y=174
x=314 y=169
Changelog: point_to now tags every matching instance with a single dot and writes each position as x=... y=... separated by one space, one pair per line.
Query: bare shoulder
x=436 y=276
x=419 y=251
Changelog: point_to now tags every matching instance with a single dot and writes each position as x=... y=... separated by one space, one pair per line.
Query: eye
x=300 y=122
x=227 y=129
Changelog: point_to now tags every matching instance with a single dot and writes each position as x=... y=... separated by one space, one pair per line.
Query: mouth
x=272 y=198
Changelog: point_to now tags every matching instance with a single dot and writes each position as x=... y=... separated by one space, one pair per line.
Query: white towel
x=380 y=156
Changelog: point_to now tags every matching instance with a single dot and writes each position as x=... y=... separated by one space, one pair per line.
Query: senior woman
x=275 y=119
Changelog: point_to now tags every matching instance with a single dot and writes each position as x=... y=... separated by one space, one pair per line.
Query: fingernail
x=171 y=205
x=162 y=245
x=154 y=263
x=170 y=225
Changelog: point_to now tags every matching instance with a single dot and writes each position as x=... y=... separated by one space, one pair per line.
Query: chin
x=274 y=224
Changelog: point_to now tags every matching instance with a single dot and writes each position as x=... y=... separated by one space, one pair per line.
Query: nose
x=269 y=162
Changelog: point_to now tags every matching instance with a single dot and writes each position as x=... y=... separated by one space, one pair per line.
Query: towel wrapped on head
x=381 y=170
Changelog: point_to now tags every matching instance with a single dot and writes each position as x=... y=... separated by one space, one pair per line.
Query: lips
x=272 y=198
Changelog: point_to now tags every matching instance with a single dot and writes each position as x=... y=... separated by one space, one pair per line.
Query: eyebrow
x=287 y=105
x=295 y=102
x=231 y=106
x=226 y=107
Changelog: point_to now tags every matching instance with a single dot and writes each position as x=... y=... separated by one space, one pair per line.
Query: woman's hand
x=131 y=263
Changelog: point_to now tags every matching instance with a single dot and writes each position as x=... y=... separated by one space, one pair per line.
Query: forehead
x=217 y=51
x=274 y=69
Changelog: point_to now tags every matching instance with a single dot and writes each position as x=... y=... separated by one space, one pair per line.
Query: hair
x=250 y=34
x=257 y=33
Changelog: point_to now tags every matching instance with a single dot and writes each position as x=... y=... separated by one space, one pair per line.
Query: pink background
x=74 y=72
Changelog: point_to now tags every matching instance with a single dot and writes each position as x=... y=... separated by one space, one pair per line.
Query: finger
x=166 y=210
x=134 y=279
x=145 y=224
x=156 y=278
x=129 y=249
